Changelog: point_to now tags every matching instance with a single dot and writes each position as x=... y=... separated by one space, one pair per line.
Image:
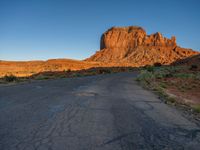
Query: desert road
x=104 y=112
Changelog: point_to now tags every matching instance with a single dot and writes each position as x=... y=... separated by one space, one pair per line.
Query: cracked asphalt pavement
x=104 y=112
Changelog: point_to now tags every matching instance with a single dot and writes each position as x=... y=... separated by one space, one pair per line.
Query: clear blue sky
x=43 y=29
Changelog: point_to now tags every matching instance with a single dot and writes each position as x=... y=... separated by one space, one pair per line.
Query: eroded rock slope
x=132 y=45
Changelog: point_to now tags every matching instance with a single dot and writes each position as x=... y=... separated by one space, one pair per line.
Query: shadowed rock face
x=133 y=45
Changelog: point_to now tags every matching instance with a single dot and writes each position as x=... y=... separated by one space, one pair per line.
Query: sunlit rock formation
x=133 y=46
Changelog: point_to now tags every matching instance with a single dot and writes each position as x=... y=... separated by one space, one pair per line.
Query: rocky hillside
x=131 y=45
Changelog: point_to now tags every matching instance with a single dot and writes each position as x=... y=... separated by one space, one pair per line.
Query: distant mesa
x=131 y=45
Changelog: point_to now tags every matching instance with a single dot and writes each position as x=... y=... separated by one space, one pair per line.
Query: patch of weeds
x=10 y=78
x=162 y=93
x=174 y=69
x=198 y=76
x=150 y=68
x=104 y=71
x=193 y=67
x=159 y=91
x=184 y=75
x=171 y=100
x=62 y=76
x=77 y=75
x=163 y=85
x=160 y=74
x=159 y=79
x=91 y=73
x=130 y=69
x=69 y=70
x=168 y=99
x=42 y=77
x=145 y=76
x=196 y=108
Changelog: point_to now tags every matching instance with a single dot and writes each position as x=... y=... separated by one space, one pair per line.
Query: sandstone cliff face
x=132 y=45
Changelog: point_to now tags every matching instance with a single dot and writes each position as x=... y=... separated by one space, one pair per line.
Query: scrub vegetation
x=175 y=84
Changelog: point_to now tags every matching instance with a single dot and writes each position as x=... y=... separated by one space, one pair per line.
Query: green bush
x=42 y=77
x=171 y=100
x=104 y=71
x=77 y=75
x=163 y=85
x=198 y=76
x=184 y=75
x=196 y=108
x=150 y=68
x=145 y=76
x=69 y=70
x=10 y=78
x=193 y=67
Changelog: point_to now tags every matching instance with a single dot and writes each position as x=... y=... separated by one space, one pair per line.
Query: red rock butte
x=132 y=45
x=119 y=46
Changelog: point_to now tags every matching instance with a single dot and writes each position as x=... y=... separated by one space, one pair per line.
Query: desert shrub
x=42 y=77
x=170 y=71
x=198 y=76
x=184 y=75
x=160 y=75
x=130 y=69
x=62 y=76
x=171 y=100
x=100 y=71
x=162 y=85
x=168 y=75
x=89 y=73
x=145 y=76
x=161 y=72
x=151 y=73
x=173 y=69
x=193 y=67
x=150 y=68
x=77 y=75
x=10 y=78
x=104 y=71
x=68 y=70
x=196 y=108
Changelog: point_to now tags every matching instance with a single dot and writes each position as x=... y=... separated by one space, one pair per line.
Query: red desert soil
x=120 y=46
x=185 y=83
x=187 y=89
